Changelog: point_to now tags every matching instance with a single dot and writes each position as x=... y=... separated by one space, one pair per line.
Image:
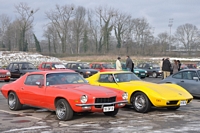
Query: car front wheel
x=64 y=111
x=112 y=113
x=154 y=75
x=13 y=102
x=141 y=102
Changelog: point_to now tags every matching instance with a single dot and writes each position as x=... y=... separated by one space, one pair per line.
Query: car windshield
x=64 y=78
x=84 y=66
x=108 y=66
x=125 y=77
x=155 y=66
x=28 y=66
x=58 y=66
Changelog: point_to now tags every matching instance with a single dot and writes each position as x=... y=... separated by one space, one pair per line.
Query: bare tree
x=188 y=35
x=163 y=39
x=25 y=19
x=60 y=18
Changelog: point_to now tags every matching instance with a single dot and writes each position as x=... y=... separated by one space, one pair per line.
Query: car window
x=106 y=78
x=177 y=76
x=15 y=66
x=10 y=66
x=98 y=66
x=189 y=75
x=125 y=77
x=64 y=78
x=198 y=72
x=140 y=65
x=32 y=79
x=68 y=65
x=43 y=65
x=48 y=66
x=108 y=66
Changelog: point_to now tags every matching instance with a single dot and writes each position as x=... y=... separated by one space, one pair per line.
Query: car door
x=31 y=93
x=189 y=83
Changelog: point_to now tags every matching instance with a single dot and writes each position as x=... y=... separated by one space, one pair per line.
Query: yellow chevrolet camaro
x=141 y=94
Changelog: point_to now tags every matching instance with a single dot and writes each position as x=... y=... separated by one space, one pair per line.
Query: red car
x=4 y=75
x=46 y=66
x=102 y=66
x=62 y=92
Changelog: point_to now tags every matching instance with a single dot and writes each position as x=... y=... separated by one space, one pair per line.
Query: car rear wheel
x=173 y=108
x=63 y=110
x=112 y=113
x=13 y=102
x=154 y=74
x=141 y=102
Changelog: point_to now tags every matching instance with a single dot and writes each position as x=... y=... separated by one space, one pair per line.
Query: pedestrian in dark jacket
x=129 y=64
x=166 y=67
x=179 y=65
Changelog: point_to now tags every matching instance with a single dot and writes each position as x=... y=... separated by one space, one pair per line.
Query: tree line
x=75 y=30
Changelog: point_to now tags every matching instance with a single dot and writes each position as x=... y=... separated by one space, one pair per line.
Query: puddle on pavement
x=20 y=121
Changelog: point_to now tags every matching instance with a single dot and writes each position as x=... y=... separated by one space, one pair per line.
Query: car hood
x=96 y=91
x=163 y=90
x=91 y=70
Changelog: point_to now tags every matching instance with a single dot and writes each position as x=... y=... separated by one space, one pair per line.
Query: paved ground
x=184 y=120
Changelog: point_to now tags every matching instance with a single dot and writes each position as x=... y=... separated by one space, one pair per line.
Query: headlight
x=84 y=98
x=136 y=71
x=145 y=71
x=8 y=73
x=159 y=71
x=88 y=72
x=125 y=96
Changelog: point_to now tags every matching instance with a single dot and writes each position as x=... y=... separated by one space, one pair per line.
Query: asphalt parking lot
x=184 y=120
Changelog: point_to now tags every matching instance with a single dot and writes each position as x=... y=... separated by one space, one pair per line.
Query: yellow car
x=141 y=94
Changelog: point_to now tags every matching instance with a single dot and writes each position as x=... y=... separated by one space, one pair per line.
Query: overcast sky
x=157 y=12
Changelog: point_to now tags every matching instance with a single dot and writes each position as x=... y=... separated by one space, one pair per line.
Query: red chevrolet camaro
x=62 y=92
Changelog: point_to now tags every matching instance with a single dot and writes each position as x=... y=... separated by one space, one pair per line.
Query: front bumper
x=91 y=106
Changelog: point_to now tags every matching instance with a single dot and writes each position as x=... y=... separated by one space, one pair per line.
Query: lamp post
x=170 y=25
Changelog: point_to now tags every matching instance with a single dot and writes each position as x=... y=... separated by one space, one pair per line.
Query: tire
x=64 y=111
x=113 y=113
x=173 y=108
x=7 y=80
x=13 y=102
x=141 y=102
x=154 y=74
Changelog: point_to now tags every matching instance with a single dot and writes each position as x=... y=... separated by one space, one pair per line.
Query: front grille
x=104 y=100
x=172 y=102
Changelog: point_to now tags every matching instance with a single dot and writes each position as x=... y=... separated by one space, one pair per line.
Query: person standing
x=175 y=67
x=166 y=67
x=179 y=65
x=161 y=64
x=118 y=64
x=129 y=64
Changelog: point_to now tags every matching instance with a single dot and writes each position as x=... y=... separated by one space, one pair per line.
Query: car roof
x=49 y=72
x=52 y=62
x=115 y=72
x=190 y=69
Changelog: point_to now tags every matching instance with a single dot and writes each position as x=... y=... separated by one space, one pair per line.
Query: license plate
x=182 y=103
x=142 y=73
x=108 y=108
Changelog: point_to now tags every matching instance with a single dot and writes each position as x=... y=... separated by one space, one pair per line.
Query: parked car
x=4 y=75
x=141 y=73
x=188 y=79
x=183 y=66
x=141 y=94
x=17 y=69
x=46 y=66
x=152 y=69
x=102 y=66
x=82 y=68
x=191 y=66
x=64 y=93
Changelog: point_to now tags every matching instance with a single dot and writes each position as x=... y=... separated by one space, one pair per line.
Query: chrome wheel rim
x=61 y=110
x=154 y=74
x=12 y=100
x=140 y=102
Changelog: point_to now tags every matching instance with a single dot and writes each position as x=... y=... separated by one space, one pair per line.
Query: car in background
x=46 y=66
x=62 y=92
x=4 y=75
x=141 y=73
x=17 y=69
x=141 y=94
x=102 y=66
x=82 y=68
x=191 y=66
x=183 y=66
x=152 y=69
x=186 y=78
